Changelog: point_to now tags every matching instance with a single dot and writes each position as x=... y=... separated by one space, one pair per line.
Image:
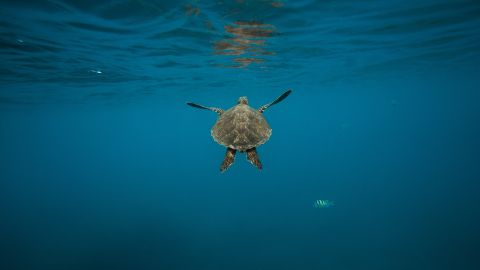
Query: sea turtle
x=241 y=128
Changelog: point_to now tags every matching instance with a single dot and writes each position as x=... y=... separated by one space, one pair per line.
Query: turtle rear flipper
x=217 y=110
x=277 y=100
x=252 y=156
x=229 y=158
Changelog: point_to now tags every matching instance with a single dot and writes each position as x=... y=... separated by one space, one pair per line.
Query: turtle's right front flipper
x=217 y=110
x=277 y=100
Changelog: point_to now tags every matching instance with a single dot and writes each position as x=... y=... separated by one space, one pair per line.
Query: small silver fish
x=323 y=204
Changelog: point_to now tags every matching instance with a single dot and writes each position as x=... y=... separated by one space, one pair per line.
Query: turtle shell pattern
x=241 y=128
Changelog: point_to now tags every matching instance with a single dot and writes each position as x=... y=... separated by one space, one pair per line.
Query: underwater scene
x=239 y=134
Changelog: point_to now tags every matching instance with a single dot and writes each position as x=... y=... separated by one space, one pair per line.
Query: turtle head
x=243 y=100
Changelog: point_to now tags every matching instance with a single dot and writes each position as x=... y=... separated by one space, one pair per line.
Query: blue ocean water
x=104 y=166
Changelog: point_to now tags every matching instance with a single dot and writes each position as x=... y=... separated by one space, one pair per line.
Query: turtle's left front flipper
x=217 y=110
x=277 y=100
x=252 y=156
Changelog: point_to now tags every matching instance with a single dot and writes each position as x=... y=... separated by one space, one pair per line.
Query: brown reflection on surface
x=247 y=40
x=192 y=10
x=276 y=4
x=244 y=62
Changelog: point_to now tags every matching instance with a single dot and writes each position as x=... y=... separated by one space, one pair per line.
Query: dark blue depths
x=103 y=166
